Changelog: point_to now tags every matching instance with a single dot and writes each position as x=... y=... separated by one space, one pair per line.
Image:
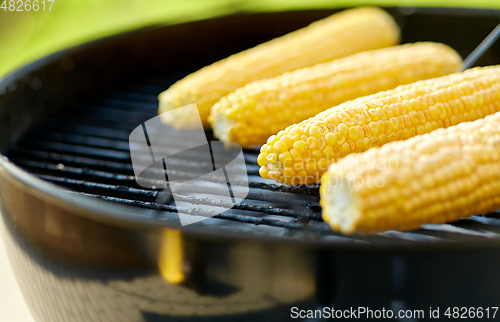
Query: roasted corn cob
x=429 y=179
x=252 y=113
x=301 y=153
x=339 y=35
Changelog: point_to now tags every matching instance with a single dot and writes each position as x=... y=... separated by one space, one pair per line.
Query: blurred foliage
x=25 y=36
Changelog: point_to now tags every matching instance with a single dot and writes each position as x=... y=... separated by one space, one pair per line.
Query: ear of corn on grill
x=339 y=35
x=301 y=153
x=429 y=179
x=252 y=113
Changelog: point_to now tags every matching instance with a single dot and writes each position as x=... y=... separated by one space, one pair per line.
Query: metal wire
x=481 y=49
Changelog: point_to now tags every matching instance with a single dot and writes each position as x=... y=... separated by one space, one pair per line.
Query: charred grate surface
x=85 y=148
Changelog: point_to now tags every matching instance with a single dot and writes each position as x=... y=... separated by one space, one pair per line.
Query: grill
x=85 y=148
x=86 y=240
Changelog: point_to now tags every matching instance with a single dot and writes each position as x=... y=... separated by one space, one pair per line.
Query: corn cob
x=252 y=113
x=339 y=35
x=301 y=153
x=429 y=179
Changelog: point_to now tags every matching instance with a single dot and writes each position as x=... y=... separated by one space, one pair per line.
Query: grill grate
x=85 y=148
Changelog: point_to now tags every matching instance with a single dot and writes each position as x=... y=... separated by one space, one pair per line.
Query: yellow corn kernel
x=314 y=131
x=351 y=138
x=280 y=147
x=272 y=158
x=317 y=154
x=300 y=146
x=438 y=177
x=272 y=139
x=261 y=159
x=289 y=172
x=285 y=159
x=345 y=149
x=287 y=140
x=339 y=35
x=295 y=154
x=312 y=143
x=330 y=139
x=264 y=172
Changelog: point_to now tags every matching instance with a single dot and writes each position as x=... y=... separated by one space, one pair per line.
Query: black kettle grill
x=88 y=244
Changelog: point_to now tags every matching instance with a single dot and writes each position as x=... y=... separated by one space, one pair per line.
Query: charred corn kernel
x=339 y=35
x=434 y=178
x=351 y=138
x=295 y=94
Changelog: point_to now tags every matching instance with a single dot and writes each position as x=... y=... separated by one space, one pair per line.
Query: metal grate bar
x=24 y=156
x=199 y=212
x=134 y=192
x=110 y=144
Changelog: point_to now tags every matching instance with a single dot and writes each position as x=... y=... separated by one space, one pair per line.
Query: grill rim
x=129 y=217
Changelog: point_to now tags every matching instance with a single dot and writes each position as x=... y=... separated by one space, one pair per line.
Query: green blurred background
x=25 y=36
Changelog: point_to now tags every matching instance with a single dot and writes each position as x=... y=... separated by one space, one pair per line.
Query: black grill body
x=84 y=238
